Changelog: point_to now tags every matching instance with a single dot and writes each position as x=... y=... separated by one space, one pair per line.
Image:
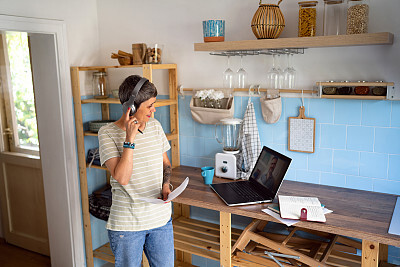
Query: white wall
x=177 y=25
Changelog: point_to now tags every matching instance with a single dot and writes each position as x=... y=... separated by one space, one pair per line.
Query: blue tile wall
x=357 y=142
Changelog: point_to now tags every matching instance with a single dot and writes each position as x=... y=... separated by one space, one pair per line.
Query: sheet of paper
x=171 y=195
x=288 y=222
x=290 y=208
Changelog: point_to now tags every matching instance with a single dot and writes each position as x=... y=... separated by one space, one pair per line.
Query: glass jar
x=357 y=16
x=307 y=18
x=334 y=17
x=154 y=53
x=100 y=84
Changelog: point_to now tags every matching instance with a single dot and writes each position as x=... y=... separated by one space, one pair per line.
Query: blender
x=225 y=163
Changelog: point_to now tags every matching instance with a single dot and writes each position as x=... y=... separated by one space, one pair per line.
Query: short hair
x=147 y=91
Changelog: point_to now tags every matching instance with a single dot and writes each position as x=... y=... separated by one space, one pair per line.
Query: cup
x=208 y=174
x=139 y=53
x=214 y=30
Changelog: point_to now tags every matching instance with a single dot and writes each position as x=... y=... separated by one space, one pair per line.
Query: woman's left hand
x=165 y=191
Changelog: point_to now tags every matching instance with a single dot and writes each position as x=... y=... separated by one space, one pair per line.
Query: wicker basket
x=268 y=21
x=94 y=126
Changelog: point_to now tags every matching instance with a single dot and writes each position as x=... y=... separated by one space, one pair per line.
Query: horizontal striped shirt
x=128 y=213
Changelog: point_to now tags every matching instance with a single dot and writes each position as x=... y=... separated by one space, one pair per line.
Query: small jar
x=379 y=90
x=361 y=90
x=329 y=90
x=334 y=17
x=345 y=90
x=307 y=18
x=100 y=84
x=154 y=54
x=357 y=16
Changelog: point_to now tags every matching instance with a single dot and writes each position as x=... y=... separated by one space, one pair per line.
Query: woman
x=134 y=150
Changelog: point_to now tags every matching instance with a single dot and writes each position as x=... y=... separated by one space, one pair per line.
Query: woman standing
x=134 y=150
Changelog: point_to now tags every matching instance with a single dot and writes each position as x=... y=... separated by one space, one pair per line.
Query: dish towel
x=250 y=145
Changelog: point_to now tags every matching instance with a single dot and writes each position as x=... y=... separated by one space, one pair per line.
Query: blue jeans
x=157 y=243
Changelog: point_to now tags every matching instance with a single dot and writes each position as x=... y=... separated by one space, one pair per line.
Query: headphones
x=131 y=100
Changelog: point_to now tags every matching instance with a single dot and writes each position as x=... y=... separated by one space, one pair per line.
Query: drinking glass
x=279 y=68
x=228 y=77
x=292 y=71
x=273 y=76
x=241 y=75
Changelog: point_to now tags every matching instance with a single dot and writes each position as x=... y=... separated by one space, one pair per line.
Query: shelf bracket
x=392 y=93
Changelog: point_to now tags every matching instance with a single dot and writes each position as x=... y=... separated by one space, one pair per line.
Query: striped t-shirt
x=127 y=212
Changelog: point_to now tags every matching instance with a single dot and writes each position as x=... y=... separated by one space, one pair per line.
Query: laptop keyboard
x=245 y=192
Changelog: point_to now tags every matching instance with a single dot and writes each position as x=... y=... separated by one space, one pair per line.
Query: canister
x=357 y=16
x=307 y=18
x=334 y=17
x=99 y=84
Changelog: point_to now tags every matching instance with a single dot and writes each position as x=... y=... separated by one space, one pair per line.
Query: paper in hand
x=171 y=195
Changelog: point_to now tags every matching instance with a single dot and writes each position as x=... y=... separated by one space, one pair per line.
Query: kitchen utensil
x=225 y=163
x=139 y=53
x=301 y=136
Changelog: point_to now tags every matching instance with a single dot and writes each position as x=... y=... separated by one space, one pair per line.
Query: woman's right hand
x=131 y=126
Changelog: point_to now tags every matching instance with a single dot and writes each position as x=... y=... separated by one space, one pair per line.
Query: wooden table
x=358 y=214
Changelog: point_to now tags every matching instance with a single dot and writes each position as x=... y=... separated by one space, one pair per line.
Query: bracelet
x=129 y=145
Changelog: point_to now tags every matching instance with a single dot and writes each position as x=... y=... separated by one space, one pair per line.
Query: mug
x=139 y=53
x=214 y=30
x=208 y=174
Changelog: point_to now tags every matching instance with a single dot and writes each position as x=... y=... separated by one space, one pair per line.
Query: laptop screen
x=270 y=168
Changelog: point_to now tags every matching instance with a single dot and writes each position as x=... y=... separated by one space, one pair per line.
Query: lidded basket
x=268 y=21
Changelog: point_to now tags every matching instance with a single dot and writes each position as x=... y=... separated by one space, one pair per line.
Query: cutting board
x=301 y=135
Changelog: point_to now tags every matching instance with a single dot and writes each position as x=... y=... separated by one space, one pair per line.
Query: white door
x=21 y=181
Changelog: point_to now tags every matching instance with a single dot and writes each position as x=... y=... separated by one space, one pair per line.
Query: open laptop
x=263 y=184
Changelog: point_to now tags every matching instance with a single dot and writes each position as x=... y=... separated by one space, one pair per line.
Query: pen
x=140 y=131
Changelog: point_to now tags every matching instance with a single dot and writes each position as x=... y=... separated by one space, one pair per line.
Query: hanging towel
x=250 y=144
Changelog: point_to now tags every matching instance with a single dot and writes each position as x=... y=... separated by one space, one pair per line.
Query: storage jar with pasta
x=307 y=18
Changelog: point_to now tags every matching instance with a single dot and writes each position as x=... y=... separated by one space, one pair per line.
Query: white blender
x=225 y=163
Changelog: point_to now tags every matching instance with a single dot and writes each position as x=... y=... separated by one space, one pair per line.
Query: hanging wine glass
x=228 y=77
x=279 y=68
x=292 y=82
x=273 y=76
x=289 y=74
x=241 y=75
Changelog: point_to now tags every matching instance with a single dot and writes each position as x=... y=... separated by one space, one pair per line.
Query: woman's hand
x=131 y=126
x=165 y=191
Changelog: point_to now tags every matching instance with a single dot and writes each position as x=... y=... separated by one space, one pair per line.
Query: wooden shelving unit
x=173 y=137
x=381 y=38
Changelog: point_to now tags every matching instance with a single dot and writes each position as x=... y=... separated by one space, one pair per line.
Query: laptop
x=263 y=184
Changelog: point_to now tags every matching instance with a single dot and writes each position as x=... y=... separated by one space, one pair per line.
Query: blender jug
x=230 y=134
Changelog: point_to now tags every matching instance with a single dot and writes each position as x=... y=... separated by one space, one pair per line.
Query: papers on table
x=291 y=208
x=274 y=210
x=171 y=195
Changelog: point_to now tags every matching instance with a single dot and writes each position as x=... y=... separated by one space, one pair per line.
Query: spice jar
x=361 y=90
x=334 y=17
x=379 y=90
x=357 y=16
x=99 y=84
x=329 y=90
x=307 y=18
x=345 y=90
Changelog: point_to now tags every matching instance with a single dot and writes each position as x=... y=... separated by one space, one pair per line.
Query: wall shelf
x=381 y=38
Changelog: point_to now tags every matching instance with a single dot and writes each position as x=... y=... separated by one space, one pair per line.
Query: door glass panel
x=23 y=101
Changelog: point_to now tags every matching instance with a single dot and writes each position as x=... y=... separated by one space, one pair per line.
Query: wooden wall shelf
x=381 y=38
x=111 y=100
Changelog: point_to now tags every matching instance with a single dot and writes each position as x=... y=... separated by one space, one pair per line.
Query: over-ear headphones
x=131 y=101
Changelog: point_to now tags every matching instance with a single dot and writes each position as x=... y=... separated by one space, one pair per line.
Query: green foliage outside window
x=22 y=88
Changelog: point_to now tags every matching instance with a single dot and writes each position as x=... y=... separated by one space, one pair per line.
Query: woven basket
x=268 y=21
x=94 y=126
